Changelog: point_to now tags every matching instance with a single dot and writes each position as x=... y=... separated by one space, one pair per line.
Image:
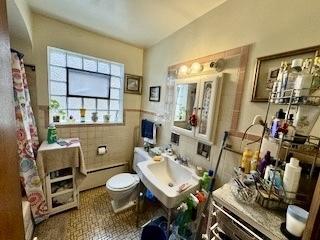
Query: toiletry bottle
x=291 y=130
x=285 y=83
x=254 y=162
x=304 y=79
x=275 y=83
x=291 y=177
x=277 y=123
x=204 y=181
x=52 y=134
x=246 y=160
x=296 y=67
x=279 y=82
x=264 y=163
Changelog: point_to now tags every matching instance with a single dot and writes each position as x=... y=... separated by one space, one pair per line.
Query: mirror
x=205 y=107
x=185 y=102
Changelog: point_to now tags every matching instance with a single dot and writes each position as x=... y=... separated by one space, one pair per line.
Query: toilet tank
x=139 y=156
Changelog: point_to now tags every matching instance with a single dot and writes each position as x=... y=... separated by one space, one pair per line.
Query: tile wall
x=119 y=139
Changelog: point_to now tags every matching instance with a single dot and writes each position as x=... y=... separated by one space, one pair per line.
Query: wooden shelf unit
x=53 y=195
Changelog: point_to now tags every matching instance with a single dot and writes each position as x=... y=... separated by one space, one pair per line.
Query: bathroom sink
x=163 y=178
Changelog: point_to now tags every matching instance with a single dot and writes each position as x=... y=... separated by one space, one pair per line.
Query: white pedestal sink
x=163 y=178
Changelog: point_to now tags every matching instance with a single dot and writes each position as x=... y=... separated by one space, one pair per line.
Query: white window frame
x=119 y=113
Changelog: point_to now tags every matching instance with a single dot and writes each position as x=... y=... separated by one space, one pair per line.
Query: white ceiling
x=139 y=22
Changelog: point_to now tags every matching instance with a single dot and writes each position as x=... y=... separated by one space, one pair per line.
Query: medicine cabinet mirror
x=197 y=96
x=185 y=103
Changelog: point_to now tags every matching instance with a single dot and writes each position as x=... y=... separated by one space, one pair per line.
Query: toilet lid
x=122 y=180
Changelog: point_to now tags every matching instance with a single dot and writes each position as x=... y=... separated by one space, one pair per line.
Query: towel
x=148 y=131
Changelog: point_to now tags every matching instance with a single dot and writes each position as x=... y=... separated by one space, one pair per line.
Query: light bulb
x=196 y=67
x=183 y=70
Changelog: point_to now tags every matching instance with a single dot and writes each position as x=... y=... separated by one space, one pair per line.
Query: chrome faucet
x=182 y=160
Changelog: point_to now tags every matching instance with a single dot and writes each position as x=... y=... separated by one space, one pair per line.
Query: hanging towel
x=149 y=131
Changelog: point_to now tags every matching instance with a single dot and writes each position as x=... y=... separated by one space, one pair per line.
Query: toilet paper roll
x=101 y=150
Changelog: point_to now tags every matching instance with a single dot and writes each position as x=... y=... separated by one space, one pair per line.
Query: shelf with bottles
x=302 y=96
x=271 y=197
x=297 y=82
x=289 y=133
x=305 y=143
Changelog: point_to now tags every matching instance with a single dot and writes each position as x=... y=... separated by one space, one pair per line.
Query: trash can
x=156 y=229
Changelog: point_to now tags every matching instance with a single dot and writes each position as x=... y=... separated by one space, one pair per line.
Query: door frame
x=11 y=220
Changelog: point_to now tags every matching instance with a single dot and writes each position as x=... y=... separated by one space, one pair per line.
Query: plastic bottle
x=52 y=134
x=277 y=123
x=291 y=177
x=264 y=163
x=246 y=160
x=204 y=181
x=275 y=83
x=304 y=79
x=254 y=162
x=293 y=74
x=291 y=130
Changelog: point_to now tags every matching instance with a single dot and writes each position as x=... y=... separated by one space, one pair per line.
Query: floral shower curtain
x=27 y=138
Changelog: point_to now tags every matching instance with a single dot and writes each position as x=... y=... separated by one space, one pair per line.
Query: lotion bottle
x=291 y=177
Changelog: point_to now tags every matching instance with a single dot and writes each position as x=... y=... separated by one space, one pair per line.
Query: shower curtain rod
x=20 y=54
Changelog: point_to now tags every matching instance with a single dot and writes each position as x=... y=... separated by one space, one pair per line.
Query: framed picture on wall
x=154 y=94
x=267 y=69
x=133 y=84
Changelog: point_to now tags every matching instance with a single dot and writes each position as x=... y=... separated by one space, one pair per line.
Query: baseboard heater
x=98 y=176
x=105 y=168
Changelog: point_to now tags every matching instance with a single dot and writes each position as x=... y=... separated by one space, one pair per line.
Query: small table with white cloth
x=61 y=169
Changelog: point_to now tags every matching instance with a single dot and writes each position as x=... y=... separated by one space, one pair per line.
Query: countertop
x=266 y=221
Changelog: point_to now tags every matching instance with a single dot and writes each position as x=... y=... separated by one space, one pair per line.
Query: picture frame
x=267 y=69
x=154 y=94
x=133 y=84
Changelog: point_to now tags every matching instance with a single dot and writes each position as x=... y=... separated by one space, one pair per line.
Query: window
x=77 y=81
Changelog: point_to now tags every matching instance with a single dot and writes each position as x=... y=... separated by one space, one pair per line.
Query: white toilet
x=122 y=187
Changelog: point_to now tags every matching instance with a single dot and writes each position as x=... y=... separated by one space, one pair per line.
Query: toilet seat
x=122 y=181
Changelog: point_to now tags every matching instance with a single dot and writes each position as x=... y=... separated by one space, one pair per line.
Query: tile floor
x=95 y=220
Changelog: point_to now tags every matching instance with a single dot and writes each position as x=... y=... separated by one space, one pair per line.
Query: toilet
x=123 y=187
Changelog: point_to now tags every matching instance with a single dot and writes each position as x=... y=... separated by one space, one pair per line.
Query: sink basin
x=163 y=178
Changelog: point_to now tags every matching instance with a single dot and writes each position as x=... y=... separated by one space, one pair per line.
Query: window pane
x=103 y=67
x=103 y=104
x=74 y=61
x=90 y=65
x=115 y=93
x=61 y=100
x=101 y=114
x=74 y=103
x=75 y=114
x=58 y=88
x=58 y=74
x=57 y=58
x=115 y=70
x=114 y=105
x=89 y=103
x=88 y=84
x=115 y=82
x=89 y=115
x=114 y=116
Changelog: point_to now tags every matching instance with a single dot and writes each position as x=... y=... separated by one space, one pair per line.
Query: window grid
x=118 y=113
